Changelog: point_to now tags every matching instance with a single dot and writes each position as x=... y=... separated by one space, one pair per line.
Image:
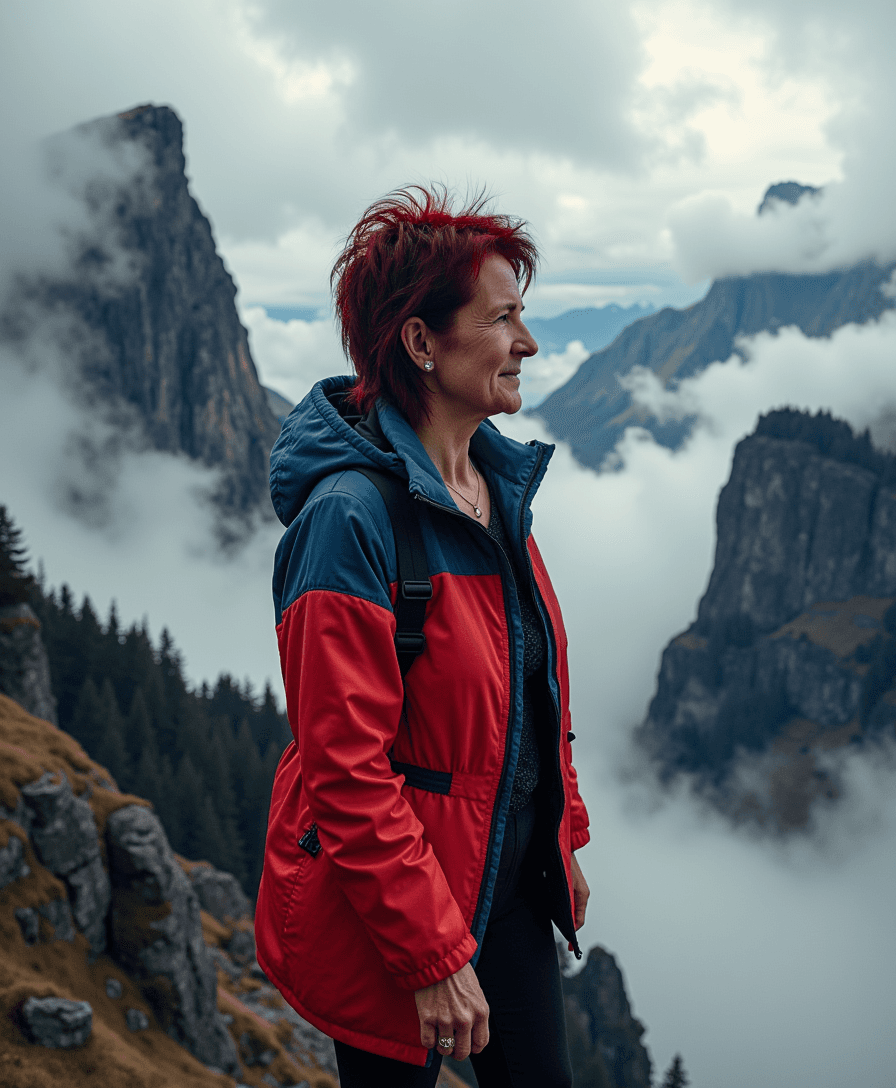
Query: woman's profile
x=422 y=828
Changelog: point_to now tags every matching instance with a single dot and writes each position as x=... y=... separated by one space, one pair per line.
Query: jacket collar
x=318 y=438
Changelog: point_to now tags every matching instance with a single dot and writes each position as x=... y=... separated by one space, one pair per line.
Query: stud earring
x=429 y=364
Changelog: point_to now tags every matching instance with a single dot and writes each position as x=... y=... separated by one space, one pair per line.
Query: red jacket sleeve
x=345 y=697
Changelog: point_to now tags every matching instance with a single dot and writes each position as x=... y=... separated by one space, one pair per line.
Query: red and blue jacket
x=377 y=883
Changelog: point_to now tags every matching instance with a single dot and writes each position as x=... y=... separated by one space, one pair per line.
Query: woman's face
x=478 y=359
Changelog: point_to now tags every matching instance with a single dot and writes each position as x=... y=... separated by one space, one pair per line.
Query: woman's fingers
x=454 y=1009
x=581 y=892
x=452 y=1038
x=479 y=1034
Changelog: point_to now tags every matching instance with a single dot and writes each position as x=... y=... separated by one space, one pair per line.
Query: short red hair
x=408 y=256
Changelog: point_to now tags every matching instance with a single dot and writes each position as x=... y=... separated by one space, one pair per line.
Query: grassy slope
x=114 y=1057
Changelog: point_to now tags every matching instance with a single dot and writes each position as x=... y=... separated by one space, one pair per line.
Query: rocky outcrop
x=219 y=893
x=24 y=668
x=64 y=835
x=174 y=981
x=56 y=1022
x=592 y=410
x=793 y=651
x=158 y=339
x=156 y=934
x=604 y=1036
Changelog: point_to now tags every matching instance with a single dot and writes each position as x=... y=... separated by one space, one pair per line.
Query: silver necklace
x=477 y=510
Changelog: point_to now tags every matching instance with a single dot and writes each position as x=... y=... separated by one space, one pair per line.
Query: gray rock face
x=592 y=409
x=241 y=947
x=114 y=989
x=220 y=893
x=605 y=1038
x=59 y=914
x=29 y=923
x=156 y=934
x=66 y=841
x=168 y=344
x=796 y=528
x=794 y=639
x=12 y=862
x=24 y=668
x=56 y=1022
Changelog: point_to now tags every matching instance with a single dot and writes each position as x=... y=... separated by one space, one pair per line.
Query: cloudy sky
x=637 y=140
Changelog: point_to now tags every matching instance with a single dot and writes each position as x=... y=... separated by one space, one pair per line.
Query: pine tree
x=89 y=717
x=147 y=782
x=138 y=731
x=675 y=1074
x=208 y=841
x=189 y=795
x=16 y=584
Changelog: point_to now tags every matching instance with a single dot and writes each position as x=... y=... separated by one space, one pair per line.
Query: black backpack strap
x=414 y=586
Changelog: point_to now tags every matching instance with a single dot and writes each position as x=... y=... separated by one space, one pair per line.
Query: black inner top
x=534 y=660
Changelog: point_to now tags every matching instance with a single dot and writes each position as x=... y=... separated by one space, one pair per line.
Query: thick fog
x=767 y=963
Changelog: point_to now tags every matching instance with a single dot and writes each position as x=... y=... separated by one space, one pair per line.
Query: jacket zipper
x=558 y=717
x=503 y=778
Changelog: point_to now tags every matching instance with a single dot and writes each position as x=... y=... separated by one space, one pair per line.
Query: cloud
x=854 y=218
x=726 y=938
x=541 y=375
x=588 y=120
x=148 y=540
x=292 y=355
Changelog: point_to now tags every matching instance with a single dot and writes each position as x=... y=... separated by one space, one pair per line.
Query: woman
x=409 y=915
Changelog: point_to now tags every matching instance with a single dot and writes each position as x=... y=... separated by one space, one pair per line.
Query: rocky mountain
x=592 y=409
x=152 y=335
x=595 y=326
x=604 y=1036
x=792 y=656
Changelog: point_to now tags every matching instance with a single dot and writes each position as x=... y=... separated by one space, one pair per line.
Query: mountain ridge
x=592 y=409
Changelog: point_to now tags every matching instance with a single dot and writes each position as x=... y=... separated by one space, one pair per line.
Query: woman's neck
x=449 y=450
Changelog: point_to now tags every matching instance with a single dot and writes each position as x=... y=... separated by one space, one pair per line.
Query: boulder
x=156 y=935
x=137 y=1020
x=66 y=841
x=57 y=1022
x=114 y=989
x=220 y=893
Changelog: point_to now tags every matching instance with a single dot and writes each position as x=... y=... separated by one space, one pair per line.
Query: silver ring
x=446 y=1042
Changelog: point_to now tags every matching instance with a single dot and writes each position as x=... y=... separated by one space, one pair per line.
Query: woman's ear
x=418 y=342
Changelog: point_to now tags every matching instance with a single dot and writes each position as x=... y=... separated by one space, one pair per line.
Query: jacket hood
x=318 y=438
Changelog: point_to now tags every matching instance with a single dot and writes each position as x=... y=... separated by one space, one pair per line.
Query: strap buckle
x=416 y=591
x=410 y=642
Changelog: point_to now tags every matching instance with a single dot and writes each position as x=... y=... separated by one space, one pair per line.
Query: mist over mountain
x=138 y=311
x=792 y=656
x=592 y=326
x=593 y=408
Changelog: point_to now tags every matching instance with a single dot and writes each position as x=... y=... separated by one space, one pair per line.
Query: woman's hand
x=455 y=1007
x=580 y=893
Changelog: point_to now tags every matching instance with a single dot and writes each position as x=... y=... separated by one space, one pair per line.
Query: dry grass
x=113 y=1057
x=837 y=625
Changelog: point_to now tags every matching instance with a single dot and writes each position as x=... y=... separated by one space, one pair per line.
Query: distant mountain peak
x=791 y=192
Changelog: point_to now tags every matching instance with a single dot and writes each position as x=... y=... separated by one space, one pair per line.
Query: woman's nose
x=528 y=343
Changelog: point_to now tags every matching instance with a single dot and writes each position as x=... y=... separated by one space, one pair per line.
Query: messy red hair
x=410 y=255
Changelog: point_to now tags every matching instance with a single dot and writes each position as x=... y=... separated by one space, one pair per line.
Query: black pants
x=519 y=975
